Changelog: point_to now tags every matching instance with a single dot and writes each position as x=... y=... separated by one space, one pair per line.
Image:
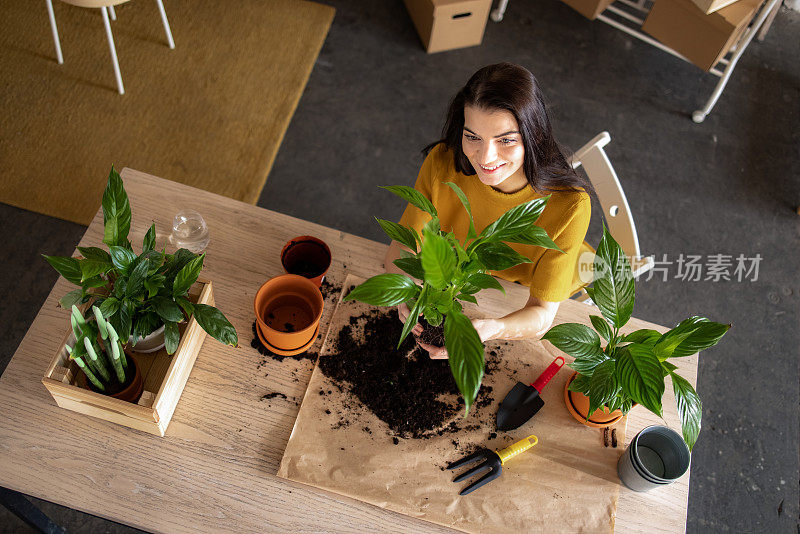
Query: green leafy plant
x=138 y=293
x=631 y=368
x=102 y=360
x=452 y=271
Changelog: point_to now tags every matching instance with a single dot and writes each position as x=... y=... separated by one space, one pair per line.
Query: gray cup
x=655 y=457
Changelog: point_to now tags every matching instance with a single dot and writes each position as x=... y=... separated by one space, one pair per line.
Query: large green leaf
x=69 y=268
x=465 y=352
x=603 y=385
x=149 y=242
x=125 y=319
x=137 y=278
x=535 y=236
x=109 y=307
x=116 y=212
x=154 y=283
x=216 y=324
x=399 y=233
x=412 y=266
x=613 y=289
x=73 y=297
x=581 y=384
x=586 y=365
x=704 y=334
x=414 y=313
x=94 y=253
x=471 y=233
x=497 y=256
x=644 y=336
x=516 y=220
x=414 y=197
x=145 y=324
x=577 y=340
x=389 y=289
x=689 y=408
x=640 y=375
x=438 y=260
x=602 y=327
x=92 y=267
x=187 y=276
x=485 y=281
x=172 y=336
x=667 y=343
x=167 y=309
x=122 y=258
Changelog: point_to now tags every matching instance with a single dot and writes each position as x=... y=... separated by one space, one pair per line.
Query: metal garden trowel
x=523 y=401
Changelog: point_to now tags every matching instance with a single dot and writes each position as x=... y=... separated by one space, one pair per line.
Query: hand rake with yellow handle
x=491 y=460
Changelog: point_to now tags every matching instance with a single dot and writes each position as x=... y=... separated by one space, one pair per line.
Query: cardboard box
x=709 y=6
x=588 y=8
x=449 y=24
x=703 y=39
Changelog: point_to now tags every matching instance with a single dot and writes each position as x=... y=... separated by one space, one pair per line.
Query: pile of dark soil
x=413 y=394
x=432 y=335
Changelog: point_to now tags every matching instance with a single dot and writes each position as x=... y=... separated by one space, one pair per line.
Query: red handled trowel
x=523 y=401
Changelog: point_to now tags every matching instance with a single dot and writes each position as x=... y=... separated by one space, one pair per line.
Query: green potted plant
x=101 y=356
x=450 y=272
x=138 y=294
x=631 y=368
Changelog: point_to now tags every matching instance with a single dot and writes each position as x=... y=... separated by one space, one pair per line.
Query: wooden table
x=215 y=468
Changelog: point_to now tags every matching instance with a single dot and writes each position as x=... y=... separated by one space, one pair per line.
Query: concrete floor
x=727 y=186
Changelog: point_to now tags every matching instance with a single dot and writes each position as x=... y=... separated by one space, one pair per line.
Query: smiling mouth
x=490 y=170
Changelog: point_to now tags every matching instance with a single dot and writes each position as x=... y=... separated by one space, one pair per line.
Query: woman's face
x=493 y=145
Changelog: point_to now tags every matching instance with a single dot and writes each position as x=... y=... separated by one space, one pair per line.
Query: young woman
x=497 y=145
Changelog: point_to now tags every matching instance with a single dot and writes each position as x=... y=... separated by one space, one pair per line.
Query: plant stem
x=115 y=360
x=89 y=374
x=98 y=364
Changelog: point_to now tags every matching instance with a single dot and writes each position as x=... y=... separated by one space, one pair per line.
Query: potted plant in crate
x=632 y=368
x=142 y=295
x=99 y=353
x=450 y=272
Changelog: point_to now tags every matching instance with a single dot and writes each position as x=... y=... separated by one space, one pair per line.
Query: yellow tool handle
x=517 y=448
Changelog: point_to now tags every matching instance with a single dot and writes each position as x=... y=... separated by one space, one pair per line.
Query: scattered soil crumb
x=272 y=395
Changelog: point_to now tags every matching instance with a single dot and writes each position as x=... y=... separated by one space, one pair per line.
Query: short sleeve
x=414 y=217
x=553 y=273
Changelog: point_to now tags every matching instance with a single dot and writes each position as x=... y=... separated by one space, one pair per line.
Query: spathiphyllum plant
x=138 y=293
x=450 y=272
x=631 y=368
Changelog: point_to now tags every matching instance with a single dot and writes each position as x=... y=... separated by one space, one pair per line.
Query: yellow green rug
x=211 y=113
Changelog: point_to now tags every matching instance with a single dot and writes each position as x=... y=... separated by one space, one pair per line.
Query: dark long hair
x=509 y=87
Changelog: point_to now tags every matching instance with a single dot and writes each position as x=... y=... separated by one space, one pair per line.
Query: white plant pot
x=149 y=343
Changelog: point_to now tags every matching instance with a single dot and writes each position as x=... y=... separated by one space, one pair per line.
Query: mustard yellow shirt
x=565 y=219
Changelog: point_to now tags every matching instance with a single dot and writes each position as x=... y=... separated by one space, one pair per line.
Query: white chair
x=106 y=9
x=615 y=207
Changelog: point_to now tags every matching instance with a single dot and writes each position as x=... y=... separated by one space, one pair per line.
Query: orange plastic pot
x=578 y=405
x=307 y=256
x=288 y=309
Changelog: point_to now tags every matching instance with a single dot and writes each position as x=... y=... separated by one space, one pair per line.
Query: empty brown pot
x=288 y=309
x=307 y=256
x=578 y=405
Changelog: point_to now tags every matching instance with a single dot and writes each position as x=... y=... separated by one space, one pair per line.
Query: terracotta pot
x=288 y=309
x=131 y=392
x=307 y=256
x=578 y=406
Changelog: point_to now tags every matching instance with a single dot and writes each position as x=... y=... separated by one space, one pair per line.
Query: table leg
x=113 y=50
x=54 y=29
x=28 y=512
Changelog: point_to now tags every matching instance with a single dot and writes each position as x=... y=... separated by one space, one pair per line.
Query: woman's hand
x=403 y=312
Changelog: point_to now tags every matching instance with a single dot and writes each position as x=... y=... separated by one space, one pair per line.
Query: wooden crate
x=164 y=378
